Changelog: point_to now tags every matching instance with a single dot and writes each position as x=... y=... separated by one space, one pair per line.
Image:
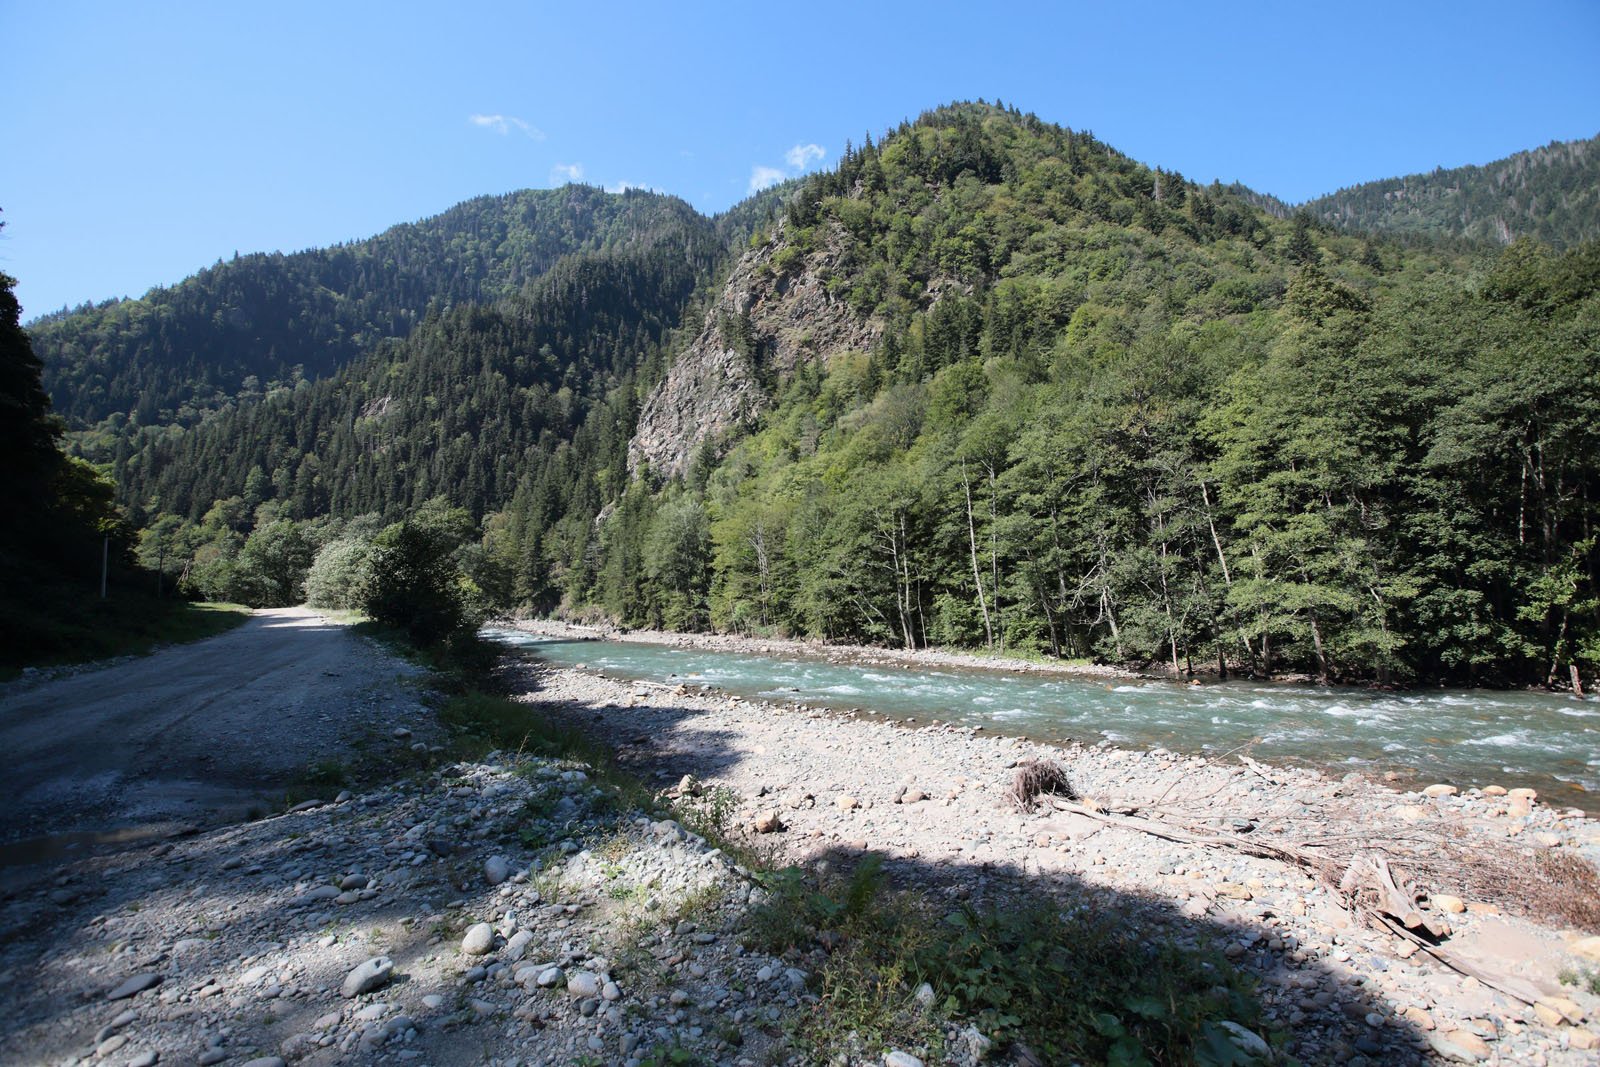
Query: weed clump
x=1059 y=985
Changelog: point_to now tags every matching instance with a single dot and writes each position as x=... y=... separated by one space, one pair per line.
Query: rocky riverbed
x=514 y=910
x=931 y=798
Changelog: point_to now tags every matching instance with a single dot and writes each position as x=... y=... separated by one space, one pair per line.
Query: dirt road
x=198 y=732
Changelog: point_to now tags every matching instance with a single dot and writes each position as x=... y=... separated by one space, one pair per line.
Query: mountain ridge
x=988 y=381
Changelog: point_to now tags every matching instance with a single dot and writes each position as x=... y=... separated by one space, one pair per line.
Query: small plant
x=676 y=1056
x=710 y=814
x=1586 y=978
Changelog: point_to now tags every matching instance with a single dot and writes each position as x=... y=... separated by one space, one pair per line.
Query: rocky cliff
x=774 y=314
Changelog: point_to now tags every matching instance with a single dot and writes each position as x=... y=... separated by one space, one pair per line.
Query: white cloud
x=622 y=187
x=504 y=124
x=763 y=177
x=802 y=156
x=562 y=173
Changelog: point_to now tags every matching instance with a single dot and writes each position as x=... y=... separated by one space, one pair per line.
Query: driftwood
x=1369 y=885
x=1511 y=986
x=1366 y=882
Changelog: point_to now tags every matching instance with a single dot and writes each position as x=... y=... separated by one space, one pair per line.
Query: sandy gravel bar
x=931 y=797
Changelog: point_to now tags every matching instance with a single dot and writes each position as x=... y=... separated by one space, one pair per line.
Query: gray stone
x=372 y=974
x=321 y=892
x=516 y=946
x=897 y=1058
x=479 y=939
x=1247 y=1041
x=265 y=1061
x=583 y=984
x=299 y=1046
x=145 y=1059
x=134 y=986
x=551 y=976
x=211 y=1056
x=354 y=881
x=497 y=870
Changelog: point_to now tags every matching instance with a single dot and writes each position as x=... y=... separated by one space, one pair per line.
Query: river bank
x=855 y=655
x=930 y=798
x=1468 y=738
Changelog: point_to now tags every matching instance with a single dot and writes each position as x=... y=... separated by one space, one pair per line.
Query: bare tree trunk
x=972 y=546
x=1322 y=659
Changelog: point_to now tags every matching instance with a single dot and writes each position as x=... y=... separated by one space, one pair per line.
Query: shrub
x=417 y=586
x=340 y=574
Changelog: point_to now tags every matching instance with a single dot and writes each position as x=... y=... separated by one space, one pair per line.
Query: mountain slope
x=989 y=382
x=1551 y=194
x=967 y=199
x=475 y=397
x=175 y=353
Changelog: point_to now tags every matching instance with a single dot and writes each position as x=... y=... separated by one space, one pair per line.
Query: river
x=1467 y=737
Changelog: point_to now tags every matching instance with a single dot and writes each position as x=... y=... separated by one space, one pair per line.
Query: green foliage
x=270 y=570
x=1132 y=1001
x=1551 y=194
x=1110 y=414
x=415 y=583
x=340 y=574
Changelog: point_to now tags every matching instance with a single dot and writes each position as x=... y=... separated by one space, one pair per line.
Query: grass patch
x=86 y=628
x=1070 y=985
x=484 y=722
x=1587 y=978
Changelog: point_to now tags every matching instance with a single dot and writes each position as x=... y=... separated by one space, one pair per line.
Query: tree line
x=1113 y=414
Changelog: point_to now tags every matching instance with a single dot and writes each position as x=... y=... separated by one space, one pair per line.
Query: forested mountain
x=989 y=382
x=262 y=320
x=1549 y=194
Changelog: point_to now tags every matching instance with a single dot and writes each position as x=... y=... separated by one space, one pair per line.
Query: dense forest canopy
x=1549 y=194
x=1106 y=412
x=262 y=320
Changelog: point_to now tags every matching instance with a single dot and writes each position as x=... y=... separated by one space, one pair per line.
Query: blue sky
x=141 y=142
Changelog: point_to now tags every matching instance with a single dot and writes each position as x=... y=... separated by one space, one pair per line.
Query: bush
x=416 y=585
x=340 y=574
x=271 y=569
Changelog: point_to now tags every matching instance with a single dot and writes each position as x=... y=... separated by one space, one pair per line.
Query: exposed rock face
x=765 y=324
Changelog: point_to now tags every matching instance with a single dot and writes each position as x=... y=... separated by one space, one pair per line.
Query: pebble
x=478 y=940
x=1462 y=1046
x=896 y=1058
x=370 y=975
x=134 y=986
x=496 y=870
x=583 y=984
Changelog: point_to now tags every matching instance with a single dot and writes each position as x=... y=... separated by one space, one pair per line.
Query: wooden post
x=105 y=562
x=1577 y=682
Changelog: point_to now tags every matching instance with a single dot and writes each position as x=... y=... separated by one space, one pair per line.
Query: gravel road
x=194 y=733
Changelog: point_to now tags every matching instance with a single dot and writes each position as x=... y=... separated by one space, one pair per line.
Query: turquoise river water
x=1468 y=737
